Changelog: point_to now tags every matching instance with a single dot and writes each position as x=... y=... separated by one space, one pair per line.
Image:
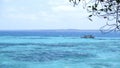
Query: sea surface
x=59 y=49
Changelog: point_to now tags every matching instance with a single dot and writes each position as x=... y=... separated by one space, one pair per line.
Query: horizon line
x=46 y=29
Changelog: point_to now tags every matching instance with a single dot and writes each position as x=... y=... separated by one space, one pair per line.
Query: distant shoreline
x=58 y=33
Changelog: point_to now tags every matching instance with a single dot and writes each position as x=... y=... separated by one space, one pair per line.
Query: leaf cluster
x=107 y=9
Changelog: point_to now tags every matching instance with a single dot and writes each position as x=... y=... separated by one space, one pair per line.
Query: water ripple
x=42 y=56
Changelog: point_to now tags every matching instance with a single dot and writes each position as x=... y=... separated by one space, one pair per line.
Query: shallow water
x=59 y=52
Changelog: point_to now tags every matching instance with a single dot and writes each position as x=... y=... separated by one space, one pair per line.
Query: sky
x=44 y=14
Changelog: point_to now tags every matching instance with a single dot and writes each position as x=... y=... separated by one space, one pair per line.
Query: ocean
x=59 y=49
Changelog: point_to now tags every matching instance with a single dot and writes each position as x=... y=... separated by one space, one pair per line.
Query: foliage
x=107 y=9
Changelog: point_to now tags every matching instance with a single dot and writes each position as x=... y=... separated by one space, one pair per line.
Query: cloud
x=22 y=16
x=11 y=9
x=61 y=6
x=64 y=8
x=8 y=0
x=45 y=14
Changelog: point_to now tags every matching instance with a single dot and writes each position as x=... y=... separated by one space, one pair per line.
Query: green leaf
x=105 y=5
x=90 y=19
x=96 y=5
x=118 y=1
x=94 y=8
x=90 y=15
x=98 y=12
x=89 y=6
x=110 y=5
x=110 y=9
x=105 y=17
x=101 y=9
x=101 y=0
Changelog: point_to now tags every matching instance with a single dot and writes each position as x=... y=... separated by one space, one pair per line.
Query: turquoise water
x=59 y=52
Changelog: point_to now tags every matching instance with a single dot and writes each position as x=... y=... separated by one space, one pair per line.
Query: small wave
x=13 y=66
x=101 y=65
x=35 y=38
x=41 y=44
x=42 y=56
x=106 y=39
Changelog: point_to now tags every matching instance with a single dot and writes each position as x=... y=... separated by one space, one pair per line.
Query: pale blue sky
x=44 y=14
